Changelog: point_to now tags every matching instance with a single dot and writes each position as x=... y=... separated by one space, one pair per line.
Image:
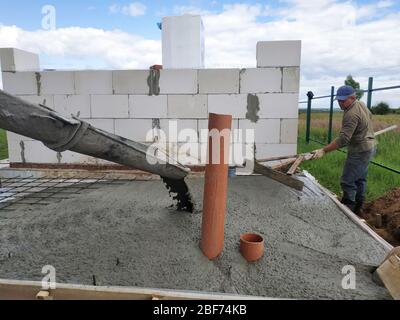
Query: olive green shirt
x=357 y=132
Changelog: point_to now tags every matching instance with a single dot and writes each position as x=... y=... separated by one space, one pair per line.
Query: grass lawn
x=328 y=169
x=3 y=145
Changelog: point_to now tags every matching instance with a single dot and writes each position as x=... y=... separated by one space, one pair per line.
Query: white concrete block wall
x=18 y=60
x=188 y=106
x=47 y=100
x=110 y=106
x=36 y=152
x=14 y=146
x=178 y=81
x=203 y=125
x=135 y=129
x=185 y=128
x=266 y=130
x=183 y=42
x=234 y=104
x=93 y=82
x=278 y=53
x=148 y=107
x=77 y=105
x=289 y=131
x=121 y=102
x=57 y=82
x=291 y=79
x=23 y=83
x=278 y=105
x=219 y=81
x=267 y=150
x=261 y=80
x=131 y=82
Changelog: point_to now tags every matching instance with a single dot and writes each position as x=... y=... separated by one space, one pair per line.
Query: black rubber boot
x=359 y=205
x=349 y=204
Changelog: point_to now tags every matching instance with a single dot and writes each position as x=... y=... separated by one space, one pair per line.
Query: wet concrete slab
x=130 y=235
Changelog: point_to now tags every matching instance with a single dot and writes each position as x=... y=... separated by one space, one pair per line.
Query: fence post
x=331 y=115
x=370 y=85
x=310 y=96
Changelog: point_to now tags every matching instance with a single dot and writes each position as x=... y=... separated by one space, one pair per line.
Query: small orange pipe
x=251 y=246
x=215 y=188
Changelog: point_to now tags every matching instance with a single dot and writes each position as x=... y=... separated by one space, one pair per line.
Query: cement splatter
x=253 y=107
x=38 y=83
x=153 y=81
x=22 y=145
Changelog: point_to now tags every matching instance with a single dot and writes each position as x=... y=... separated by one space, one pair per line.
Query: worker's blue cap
x=344 y=92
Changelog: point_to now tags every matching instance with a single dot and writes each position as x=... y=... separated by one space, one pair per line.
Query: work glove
x=318 y=154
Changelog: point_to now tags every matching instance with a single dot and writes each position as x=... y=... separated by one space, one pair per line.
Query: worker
x=358 y=135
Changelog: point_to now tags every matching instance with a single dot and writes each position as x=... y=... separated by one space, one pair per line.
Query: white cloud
x=181 y=10
x=115 y=49
x=134 y=9
x=338 y=38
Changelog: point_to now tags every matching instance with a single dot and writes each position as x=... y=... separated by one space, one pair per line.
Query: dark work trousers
x=354 y=177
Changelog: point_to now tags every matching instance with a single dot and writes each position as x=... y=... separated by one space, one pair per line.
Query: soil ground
x=388 y=206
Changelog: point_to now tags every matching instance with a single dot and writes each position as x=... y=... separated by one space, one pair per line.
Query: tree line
x=381 y=108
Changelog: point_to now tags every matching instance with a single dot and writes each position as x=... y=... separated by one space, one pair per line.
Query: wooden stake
x=43 y=295
x=295 y=165
x=385 y=130
x=389 y=272
x=276 y=158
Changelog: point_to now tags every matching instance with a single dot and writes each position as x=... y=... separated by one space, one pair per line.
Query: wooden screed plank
x=278 y=176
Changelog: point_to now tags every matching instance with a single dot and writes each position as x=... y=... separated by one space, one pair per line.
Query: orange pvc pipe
x=215 y=188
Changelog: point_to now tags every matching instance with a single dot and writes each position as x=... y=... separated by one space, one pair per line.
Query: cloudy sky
x=358 y=37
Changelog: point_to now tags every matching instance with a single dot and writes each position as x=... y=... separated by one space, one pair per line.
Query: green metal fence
x=311 y=98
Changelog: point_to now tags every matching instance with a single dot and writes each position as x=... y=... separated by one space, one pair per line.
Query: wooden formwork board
x=30 y=290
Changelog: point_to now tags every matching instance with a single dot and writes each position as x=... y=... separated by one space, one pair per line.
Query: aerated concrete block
x=57 y=82
x=14 y=146
x=187 y=106
x=289 y=130
x=265 y=131
x=278 y=53
x=36 y=152
x=186 y=129
x=110 y=106
x=77 y=105
x=147 y=107
x=183 y=42
x=279 y=105
x=135 y=129
x=178 y=81
x=20 y=83
x=291 y=79
x=93 y=82
x=69 y=157
x=131 y=82
x=261 y=80
x=47 y=100
x=219 y=81
x=202 y=126
x=234 y=104
x=13 y=60
x=264 y=151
